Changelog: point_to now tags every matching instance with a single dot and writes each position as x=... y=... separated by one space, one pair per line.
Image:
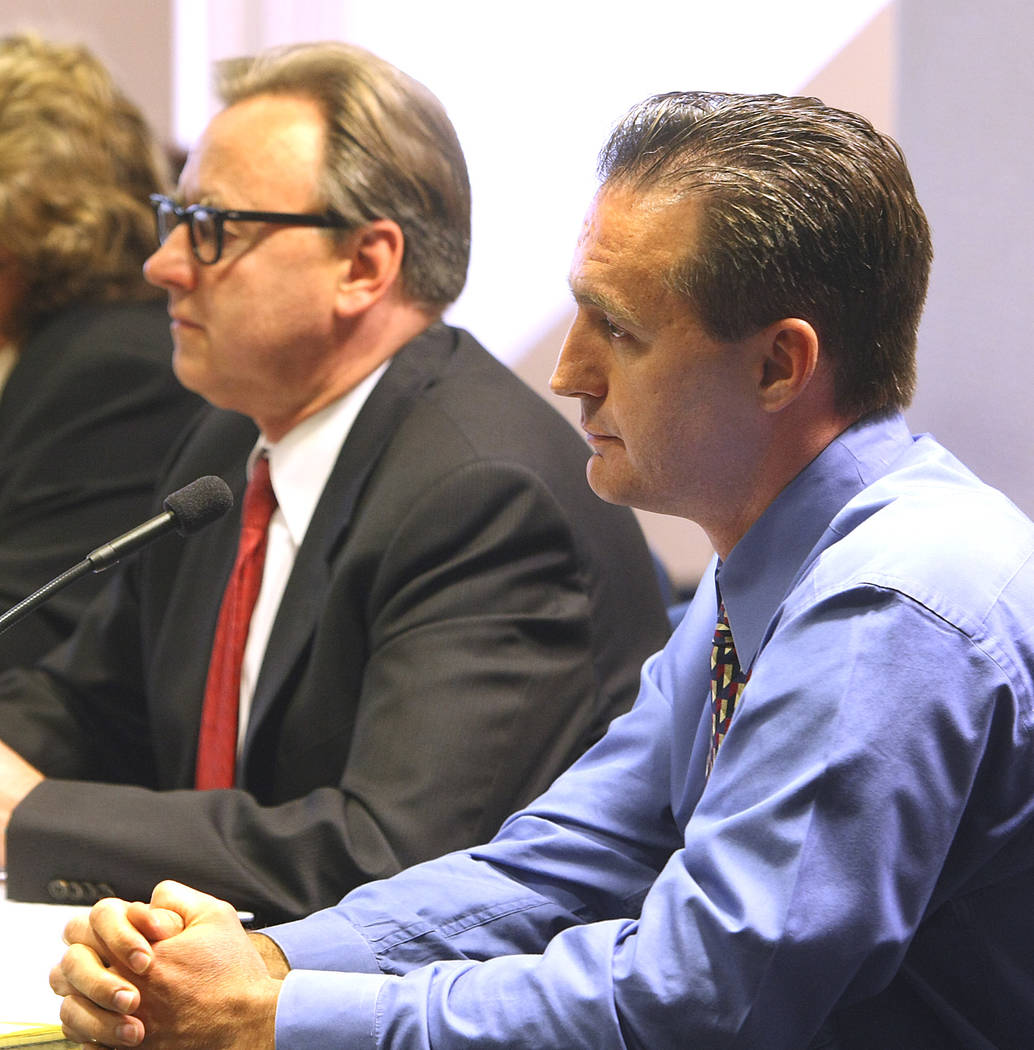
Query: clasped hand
x=178 y=972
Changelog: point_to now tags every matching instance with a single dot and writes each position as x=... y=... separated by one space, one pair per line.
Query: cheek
x=246 y=317
x=667 y=436
x=651 y=412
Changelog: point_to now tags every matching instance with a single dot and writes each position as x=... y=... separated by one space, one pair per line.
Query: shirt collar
x=301 y=461
x=761 y=568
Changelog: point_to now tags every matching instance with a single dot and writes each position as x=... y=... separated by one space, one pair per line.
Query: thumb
x=189 y=904
x=156 y=924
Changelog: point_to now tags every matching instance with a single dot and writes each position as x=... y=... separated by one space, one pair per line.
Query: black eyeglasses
x=205 y=224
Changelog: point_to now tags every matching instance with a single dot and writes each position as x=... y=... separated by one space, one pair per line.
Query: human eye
x=215 y=221
x=603 y=316
x=204 y=226
x=612 y=328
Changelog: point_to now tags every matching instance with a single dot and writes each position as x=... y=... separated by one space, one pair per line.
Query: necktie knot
x=259 y=498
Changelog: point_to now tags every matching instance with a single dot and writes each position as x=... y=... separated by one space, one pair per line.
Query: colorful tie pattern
x=217 y=744
x=727 y=682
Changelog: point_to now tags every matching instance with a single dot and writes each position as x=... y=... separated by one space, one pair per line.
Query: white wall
x=966 y=114
x=130 y=36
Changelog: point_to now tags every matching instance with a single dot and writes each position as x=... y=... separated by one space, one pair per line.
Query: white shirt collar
x=301 y=461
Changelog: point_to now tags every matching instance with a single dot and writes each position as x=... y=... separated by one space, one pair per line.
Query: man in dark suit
x=89 y=407
x=447 y=615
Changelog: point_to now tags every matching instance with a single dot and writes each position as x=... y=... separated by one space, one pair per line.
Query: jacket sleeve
x=478 y=686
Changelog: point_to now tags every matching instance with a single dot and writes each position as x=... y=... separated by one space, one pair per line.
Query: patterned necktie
x=217 y=745
x=727 y=682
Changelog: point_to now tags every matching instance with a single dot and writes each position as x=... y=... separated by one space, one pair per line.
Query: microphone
x=186 y=510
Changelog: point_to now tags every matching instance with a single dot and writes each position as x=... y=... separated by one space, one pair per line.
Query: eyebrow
x=600 y=300
x=205 y=198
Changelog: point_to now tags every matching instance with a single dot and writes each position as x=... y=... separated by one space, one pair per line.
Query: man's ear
x=789 y=354
x=371 y=261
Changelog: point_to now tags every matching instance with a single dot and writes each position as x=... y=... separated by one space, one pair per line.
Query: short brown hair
x=391 y=153
x=77 y=162
x=808 y=212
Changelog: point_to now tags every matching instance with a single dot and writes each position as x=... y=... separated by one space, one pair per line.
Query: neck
x=364 y=344
x=792 y=445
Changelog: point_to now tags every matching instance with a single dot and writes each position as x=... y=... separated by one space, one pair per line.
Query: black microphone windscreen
x=197 y=504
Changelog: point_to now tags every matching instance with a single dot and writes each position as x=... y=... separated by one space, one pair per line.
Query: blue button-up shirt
x=857 y=871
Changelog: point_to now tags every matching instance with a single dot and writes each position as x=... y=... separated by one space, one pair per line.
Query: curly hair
x=392 y=153
x=77 y=162
x=808 y=212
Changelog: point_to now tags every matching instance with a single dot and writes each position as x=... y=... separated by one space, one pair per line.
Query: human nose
x=578 y=373
x=172 y=264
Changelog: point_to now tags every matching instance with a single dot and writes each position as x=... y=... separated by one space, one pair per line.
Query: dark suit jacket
x=463 y=618
x=87 y=419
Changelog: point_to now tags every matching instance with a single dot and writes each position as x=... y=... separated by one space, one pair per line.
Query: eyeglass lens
x=204 y=226
x=206 y=234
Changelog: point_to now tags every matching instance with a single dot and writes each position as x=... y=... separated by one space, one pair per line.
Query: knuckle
x=227 y=910
x=68 y=1016
x=102 y=911
x=75 y=929
x=57 y=980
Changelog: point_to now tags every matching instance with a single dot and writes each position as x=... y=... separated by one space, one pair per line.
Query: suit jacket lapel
x=183 y=580
x=412 y=370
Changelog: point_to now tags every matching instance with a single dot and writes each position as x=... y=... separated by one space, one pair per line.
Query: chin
x=199 y=380
x=628 y=492
x=188 y=377
x=609 y=489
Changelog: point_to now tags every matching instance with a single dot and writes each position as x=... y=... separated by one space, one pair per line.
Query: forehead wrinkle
x=625 y=240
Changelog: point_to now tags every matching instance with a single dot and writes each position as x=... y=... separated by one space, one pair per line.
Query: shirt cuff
x=324 y=940
x=317 y=1010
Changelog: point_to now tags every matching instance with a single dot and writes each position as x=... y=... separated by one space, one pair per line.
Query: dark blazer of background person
x=88 y=416
x=464 y=616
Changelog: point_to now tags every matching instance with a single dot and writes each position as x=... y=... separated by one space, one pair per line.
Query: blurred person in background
x=89 y=404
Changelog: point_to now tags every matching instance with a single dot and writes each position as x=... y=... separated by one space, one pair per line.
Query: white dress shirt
x=299 y=466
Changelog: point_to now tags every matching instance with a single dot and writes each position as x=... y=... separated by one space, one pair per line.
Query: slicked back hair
x=805 y=211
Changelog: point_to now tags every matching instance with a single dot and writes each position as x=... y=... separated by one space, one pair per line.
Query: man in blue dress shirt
x=854 y=866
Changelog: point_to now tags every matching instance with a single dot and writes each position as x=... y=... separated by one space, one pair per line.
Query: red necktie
x=217 y=746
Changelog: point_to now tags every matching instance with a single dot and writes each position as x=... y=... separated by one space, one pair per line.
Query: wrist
x=275 y=960
x=264 y=1013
